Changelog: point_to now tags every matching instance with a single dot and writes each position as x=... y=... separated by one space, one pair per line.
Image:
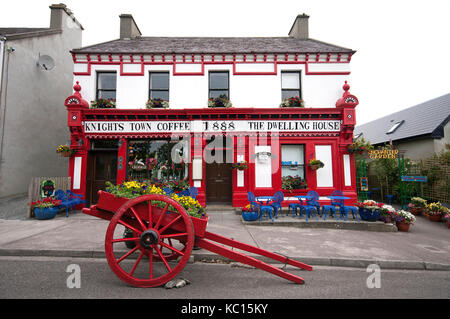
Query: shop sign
x=383 y=153
x=422 y=179
x=210 y=126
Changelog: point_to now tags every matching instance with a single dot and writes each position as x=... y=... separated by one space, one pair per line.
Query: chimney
x=56 y=15
x=299 y=29
x=128 y=27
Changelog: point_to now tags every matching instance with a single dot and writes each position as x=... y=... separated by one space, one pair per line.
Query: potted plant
x=294 y=101
x=221 y=101
x=65 y=150
x=157 y=103
x=435 y=211
x=102 y=103
x=417 y=205
x=387 y=212
x=403 y=220
x=359 y=146
x=249 y=213
x=240 y=166
x=315 y=164
x=45 y=208
x=369 y=210
x=447 y=219
x=293 y=182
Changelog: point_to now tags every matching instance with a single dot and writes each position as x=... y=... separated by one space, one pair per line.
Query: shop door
x=101 y=168
x=219 y=183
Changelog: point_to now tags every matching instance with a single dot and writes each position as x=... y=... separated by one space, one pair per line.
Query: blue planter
x=369 y=215
x=45 y=213
x=250 y=216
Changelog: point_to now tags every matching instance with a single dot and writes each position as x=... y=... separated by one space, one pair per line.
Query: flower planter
x=66 y=154
x=45 y=213
x=314 y=167
x=403 y=226
x=250 y=216
x=369 y=215
x=416 y=210
x=434 y=217
x=448 y=223
x=111 y=203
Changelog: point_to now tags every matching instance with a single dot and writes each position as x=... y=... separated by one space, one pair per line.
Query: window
x=395 y=127
x=293 y=166
x=154 y=160
x=290 y=84
x=219 y=84
x=106 y=85
x=159 y=85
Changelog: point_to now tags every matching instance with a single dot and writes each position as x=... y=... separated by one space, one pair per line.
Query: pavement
x=342 y=244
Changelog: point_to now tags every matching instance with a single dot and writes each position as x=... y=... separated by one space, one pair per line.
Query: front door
x=101 y=168
x=219 y=183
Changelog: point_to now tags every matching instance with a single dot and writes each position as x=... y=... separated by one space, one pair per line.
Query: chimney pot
x=299 y=29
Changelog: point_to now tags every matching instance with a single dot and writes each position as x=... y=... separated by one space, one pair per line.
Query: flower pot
x=65 y=154
x=416 y=210
x=387 y=220
x=448 y=223
x=401 y=226
x=434 y=217
x=250 y=216
x=369 y=215
x=314 y=167
x=45 y=213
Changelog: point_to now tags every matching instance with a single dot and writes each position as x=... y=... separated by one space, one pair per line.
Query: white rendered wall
x=191 y=91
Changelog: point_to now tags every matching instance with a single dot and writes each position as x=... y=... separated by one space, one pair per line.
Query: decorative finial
x=77 y=87
x=346 y=87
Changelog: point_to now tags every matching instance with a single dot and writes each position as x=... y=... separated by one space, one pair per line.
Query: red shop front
x=199 y=146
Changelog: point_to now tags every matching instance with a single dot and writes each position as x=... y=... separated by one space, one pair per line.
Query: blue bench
x=65 y=201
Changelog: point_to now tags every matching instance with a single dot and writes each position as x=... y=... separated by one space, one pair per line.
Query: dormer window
x=395 y=127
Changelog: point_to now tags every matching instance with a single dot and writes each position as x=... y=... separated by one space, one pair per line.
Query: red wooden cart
x=164 y=233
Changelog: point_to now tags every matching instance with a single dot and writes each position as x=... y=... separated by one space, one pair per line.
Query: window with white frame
x=290 y=84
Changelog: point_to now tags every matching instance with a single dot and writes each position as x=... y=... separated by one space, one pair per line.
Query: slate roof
x=17 y=33
x=230 y=45
x=425 y=119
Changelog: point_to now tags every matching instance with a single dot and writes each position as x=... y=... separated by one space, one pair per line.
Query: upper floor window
x=159 y=85
x=106 y=85
x=290 y=84
x=219 y=84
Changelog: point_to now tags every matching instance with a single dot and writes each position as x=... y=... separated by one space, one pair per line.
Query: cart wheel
x=152 y=231
x=166 y=252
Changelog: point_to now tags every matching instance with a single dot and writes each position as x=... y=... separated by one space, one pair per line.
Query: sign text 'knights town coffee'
x=209 y=126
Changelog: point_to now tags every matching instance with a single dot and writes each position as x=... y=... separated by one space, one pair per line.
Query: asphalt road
x=47 y=278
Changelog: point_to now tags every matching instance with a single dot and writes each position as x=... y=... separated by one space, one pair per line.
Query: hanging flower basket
x=240 y=166
x=315 y=164
x=64 y=151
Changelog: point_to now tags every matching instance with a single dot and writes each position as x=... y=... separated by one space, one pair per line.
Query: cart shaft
x=206 y=243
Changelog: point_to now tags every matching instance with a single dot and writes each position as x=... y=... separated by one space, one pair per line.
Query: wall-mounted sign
x=364 y=184
x=210 y=126
x=383 y=153
x=47 y=188
x=422 y=179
